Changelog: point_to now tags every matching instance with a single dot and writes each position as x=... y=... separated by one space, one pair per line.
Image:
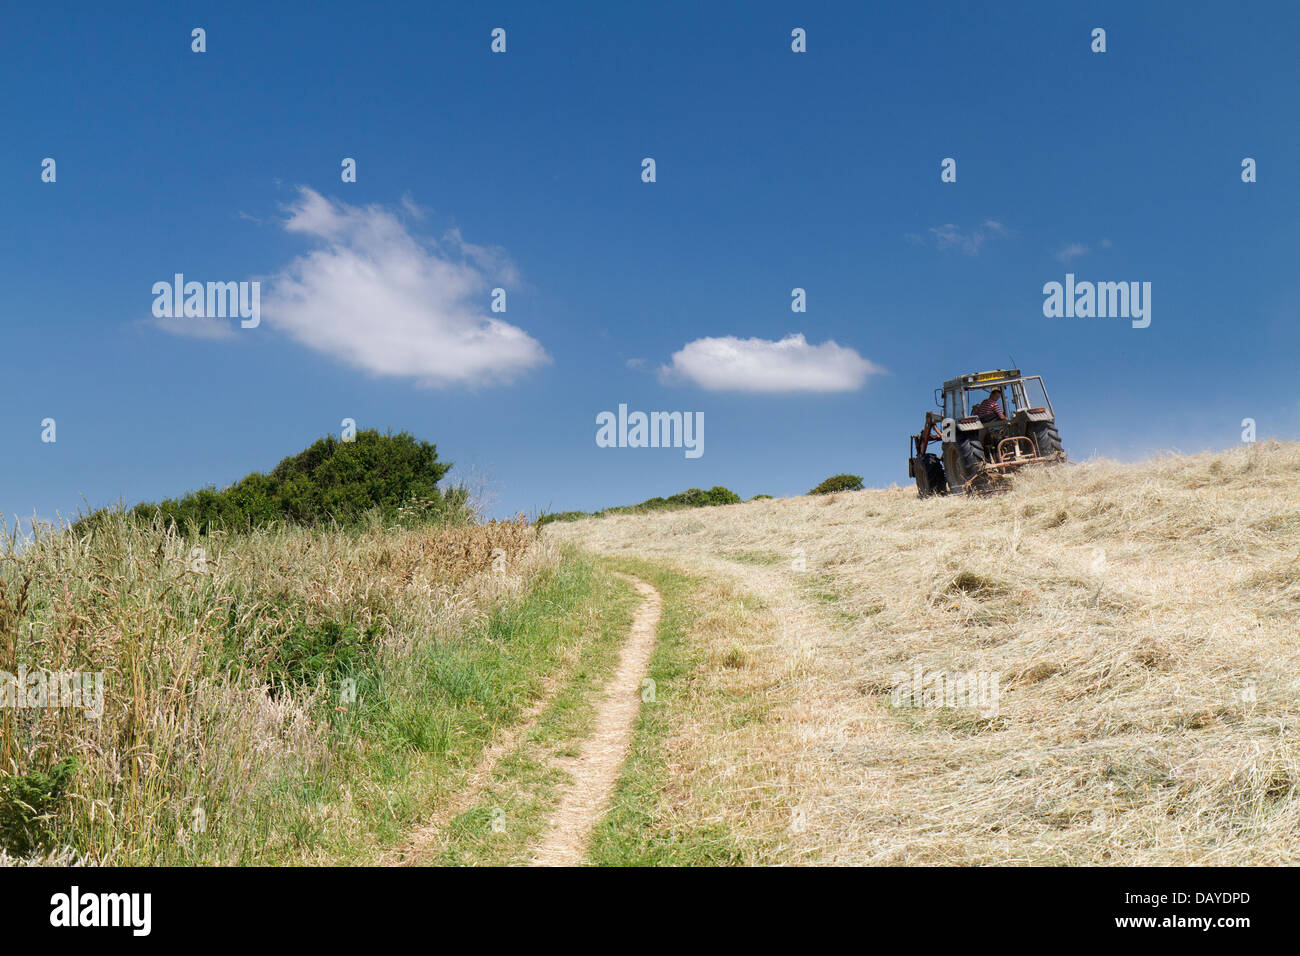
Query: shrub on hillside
x=695 y=498
x=690 y=498
x=544 y=518
x=393 y=476
x=838 y=483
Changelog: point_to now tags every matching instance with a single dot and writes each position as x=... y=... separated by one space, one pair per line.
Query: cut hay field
x=1134 y=629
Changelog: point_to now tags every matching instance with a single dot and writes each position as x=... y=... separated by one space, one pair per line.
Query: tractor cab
x=977 y=446
x=1019 y=394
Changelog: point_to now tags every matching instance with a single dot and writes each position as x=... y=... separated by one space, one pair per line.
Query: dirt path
x=823 y=725
x=595 y=770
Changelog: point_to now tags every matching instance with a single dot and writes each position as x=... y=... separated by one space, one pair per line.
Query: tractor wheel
x=934 y=482
x=1047 y=439
x=970 y=461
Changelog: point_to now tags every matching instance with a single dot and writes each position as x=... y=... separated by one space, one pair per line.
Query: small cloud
x=1105 y=243
x=761 y=365
x=636 y=363
x=1071 y=252
x=951 y=236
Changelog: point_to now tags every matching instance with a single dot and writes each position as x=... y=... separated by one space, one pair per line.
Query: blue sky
x=522 y=170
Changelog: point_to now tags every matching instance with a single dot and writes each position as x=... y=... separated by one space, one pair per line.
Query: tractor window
x=1035 y=393
x=1012 y=399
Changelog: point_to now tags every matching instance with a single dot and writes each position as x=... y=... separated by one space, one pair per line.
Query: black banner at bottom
x=334 y=906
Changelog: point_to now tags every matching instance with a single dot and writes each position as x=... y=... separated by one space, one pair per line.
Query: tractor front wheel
x=930 y=479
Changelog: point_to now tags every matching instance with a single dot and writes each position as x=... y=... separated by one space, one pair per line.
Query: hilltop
x=1135 y=625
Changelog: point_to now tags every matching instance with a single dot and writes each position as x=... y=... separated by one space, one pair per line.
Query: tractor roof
x=984 y=379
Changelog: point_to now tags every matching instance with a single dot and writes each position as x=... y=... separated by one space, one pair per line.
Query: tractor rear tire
x=1047 y=439
x=935 y=482
x=971 y=458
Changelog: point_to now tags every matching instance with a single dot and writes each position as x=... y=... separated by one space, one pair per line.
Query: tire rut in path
x=595 y=770
x=425 y=842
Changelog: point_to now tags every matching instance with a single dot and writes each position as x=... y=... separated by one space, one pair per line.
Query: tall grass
x=248 y=679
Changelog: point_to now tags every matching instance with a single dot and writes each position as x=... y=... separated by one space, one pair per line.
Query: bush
x=299 y=659
x=26 y=803
x=690 y=498
x=393 y=476
x=695 y=498
x=546 y=518
x=838 y=483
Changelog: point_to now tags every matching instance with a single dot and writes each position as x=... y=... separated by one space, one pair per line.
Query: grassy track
x=563 y=631
x=511 y=812
x=672 y=806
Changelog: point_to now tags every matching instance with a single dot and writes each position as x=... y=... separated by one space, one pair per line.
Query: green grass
x=511 y=814
x=754 y=557
x=646 y=823
x=641 y=828
x=389 y=756
x=326 y=713
x=424 y=743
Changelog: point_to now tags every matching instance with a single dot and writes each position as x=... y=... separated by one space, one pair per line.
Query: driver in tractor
x=990 y=410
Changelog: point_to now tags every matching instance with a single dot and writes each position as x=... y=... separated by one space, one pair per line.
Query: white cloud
x=1071 y=252
x=377 y=298
x=950 y=236
x=761 y=365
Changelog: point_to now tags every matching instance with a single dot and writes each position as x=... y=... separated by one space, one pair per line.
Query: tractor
x=978 y=449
